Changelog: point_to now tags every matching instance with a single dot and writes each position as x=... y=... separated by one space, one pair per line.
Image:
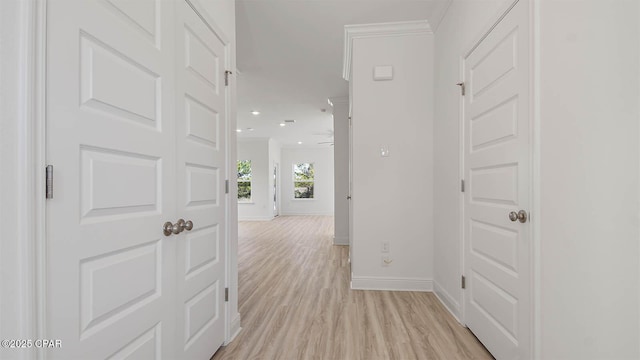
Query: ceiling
x=289 y=60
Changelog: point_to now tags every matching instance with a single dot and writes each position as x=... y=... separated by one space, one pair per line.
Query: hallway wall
x=341 y=166
x=589 y=156
x=393 y=194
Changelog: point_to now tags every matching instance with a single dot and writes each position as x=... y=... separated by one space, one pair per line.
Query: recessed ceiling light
x=238 y=130
x=254 y=112
x=283 y=124
x=299 y=142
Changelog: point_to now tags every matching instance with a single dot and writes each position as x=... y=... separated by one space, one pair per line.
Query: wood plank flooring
x=295 y=303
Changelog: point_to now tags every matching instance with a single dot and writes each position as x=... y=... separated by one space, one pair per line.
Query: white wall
x=322 y=204
x=341 y=166
x=259 y=208
x=397 y=114
x=589 y=226
x=455 y=35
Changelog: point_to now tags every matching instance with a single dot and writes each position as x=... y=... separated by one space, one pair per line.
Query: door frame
x=22 y=245
x=28 y=22
x=534 y=157
x=276 y=189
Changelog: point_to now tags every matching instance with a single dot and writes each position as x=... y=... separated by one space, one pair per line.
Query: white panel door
x=110 y=66
x=497 y=170
x=201 y=149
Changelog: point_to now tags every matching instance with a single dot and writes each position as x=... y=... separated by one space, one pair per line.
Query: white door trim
x=28 y=21
x=534 y=210
x=199 y=10
x=21 y=294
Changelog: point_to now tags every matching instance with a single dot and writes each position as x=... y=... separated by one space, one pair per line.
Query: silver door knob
x=518 y=216
x=188 y=225
x=181 y=224
x=168 y=228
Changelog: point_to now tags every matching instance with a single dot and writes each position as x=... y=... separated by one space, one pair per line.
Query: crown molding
x=403 y=28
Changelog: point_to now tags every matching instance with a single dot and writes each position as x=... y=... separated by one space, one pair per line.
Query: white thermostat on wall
x=383 y=72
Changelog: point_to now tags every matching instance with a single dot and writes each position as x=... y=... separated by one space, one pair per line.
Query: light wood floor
x=295 y=303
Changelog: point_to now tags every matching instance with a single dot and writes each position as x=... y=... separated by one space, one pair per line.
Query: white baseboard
x=448 y=301
x=234 y=329
x=340 y=240
x=256 y=218
x=305 y=214
x=392 y=284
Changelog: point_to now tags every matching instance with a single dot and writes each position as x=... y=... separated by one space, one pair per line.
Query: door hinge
x=49 y=182
x=226 y=186
x=462 y=185
x=226 y=77
x=464 y=282
x=226 y=294
x=462 y=88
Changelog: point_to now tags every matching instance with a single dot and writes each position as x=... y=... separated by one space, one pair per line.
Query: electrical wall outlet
x=386 y=260
x=385 y=247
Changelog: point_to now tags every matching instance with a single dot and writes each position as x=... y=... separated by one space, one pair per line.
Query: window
x=303 y=177
x=244 y=180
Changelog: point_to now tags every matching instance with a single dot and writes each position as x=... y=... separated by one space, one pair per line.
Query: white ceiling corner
x=438 y=11
x=290 y=53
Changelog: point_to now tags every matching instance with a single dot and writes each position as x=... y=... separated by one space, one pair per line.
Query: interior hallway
x=295 y=302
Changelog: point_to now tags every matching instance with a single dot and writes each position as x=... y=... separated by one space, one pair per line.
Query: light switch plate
x=383 y=72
